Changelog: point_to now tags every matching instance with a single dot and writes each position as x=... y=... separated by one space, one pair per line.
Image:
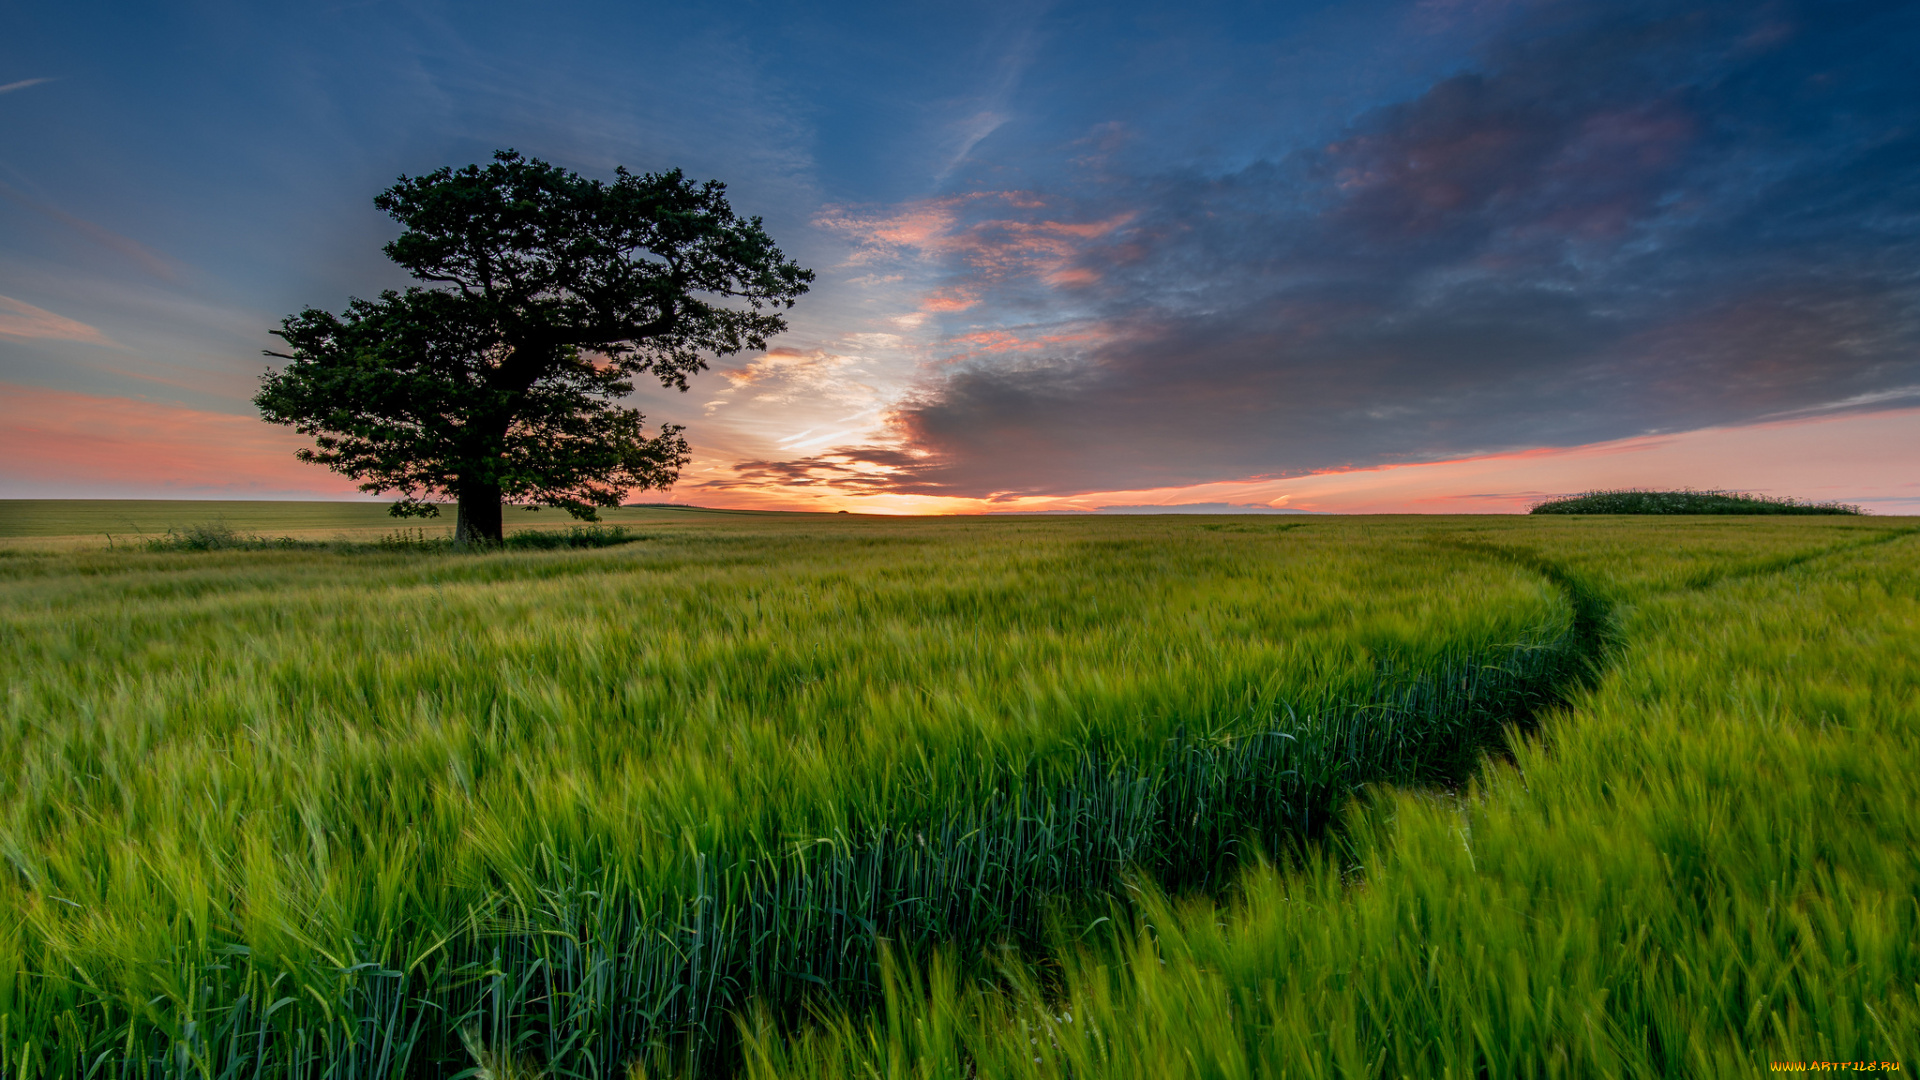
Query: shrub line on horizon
x=1686 y=501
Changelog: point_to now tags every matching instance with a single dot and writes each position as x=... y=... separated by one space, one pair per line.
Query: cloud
x=23 y=84
x=141 y=256
x=783 y=374
x=1621 y=219
x=21 y=320
x=1016 y=56
x=969 y=133
x=1874 y=400
x=988 y=237
x=953 y=300
x=865 y=470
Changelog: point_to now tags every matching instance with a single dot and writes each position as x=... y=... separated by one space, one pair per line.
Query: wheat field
x=852 y=796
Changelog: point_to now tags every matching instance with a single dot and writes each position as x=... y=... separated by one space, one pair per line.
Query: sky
x=1371 y=256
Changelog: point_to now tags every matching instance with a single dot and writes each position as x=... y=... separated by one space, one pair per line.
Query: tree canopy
x=550 y=293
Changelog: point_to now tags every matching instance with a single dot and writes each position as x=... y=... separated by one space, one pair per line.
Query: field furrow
x=353 y=811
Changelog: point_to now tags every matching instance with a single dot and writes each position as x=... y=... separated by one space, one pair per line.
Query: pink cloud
x=1002 y=248
x=950 y=300
x=21 y=320
x=918 y=226
x=1073 y=277
x=993 y=341
x=996 y=245
x=1010 y=341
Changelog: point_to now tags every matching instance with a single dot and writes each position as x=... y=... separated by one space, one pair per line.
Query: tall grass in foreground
x=315 y=813
x=1707 y=864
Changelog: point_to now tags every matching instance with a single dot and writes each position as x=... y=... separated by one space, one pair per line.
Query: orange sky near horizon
x=60 y=444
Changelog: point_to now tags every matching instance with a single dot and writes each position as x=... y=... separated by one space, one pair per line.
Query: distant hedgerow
x=1639 y=501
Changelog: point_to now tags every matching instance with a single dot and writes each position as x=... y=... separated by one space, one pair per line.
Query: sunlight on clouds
x=784 y=374
x=1800 y=458
x=954 y=259
x=912 y=229
x=1021 y=339
x=876 y=341
x=957 y=300
x=993 y=235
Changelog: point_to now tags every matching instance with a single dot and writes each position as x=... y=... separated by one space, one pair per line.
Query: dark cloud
x=1621 y=220
x=866 y=470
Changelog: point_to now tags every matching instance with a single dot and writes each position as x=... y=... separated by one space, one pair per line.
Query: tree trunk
x=479 y=521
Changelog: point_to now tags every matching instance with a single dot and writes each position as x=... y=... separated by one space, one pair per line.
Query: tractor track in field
x=788 y=930
x=583 y=970
x=1014 y=857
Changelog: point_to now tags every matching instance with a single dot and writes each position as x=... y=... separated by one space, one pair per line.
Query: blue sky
x=1063 y=251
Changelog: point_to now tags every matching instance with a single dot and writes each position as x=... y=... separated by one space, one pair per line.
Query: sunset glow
x=1864 y=458
x=60 y=445
x=1391 y=256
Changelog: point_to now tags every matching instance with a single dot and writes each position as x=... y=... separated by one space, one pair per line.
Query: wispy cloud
x=1875 y=399
x=1012 y=65
x=133 y=251
x=22 y=321
x=23 y=84
x=969 y=132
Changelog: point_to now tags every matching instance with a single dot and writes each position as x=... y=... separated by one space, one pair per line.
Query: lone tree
x=502 y=385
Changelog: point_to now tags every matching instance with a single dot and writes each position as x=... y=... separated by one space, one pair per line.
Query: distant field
x=365 y=812
x=131 y=520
